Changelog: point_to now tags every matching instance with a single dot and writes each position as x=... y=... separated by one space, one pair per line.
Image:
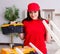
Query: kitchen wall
x=22 y=5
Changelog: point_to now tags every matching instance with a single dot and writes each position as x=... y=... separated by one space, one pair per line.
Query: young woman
x=34 y=30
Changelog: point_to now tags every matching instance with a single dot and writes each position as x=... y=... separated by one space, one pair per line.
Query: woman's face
x=34 y=15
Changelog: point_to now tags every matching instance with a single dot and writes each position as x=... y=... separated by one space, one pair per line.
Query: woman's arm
x=48 y=37
x=21 y=35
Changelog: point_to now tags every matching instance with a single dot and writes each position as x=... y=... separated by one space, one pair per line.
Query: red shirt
x=35 y=33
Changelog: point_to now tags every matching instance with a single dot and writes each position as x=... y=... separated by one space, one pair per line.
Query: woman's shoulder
x=25 y=21
x=46 y=21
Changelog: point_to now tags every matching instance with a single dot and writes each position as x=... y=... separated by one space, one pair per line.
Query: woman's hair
x=29 y=18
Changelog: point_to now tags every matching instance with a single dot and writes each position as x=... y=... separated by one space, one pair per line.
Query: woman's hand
x=21 y=35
